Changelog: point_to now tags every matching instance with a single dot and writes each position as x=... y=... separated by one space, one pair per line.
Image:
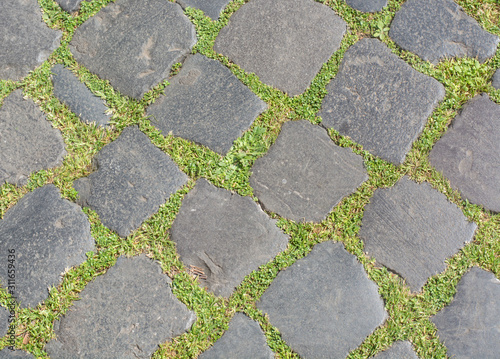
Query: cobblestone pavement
x=249 y=179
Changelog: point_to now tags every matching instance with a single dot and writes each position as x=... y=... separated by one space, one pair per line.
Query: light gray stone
x=231 y=237
x=412 y=228
x=133 y=178
x=134 y=61
x=207 y=104
x=438 y=29
x=4 y=317
x=211 y=8
x=284 y=42
x=70 y=5
x=379 y=101
x=367 y=5
x=125 y=313
x=304 y=174
x=399 y=350
x=324 y=305
x=15 y=354
x=495 y=82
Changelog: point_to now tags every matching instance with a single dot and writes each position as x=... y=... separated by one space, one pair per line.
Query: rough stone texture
x=495 y=82
x=244 y=339
x=4 y=318
x=399 y=350
x=132 y=179
x=367 y=5
x=70 y=5
x=126 y=313
x=49 y=235
x=304 y=174
x=438 y=29
x=412 y=228
x=324 y=305
x=470 y=325
x=207 y=104
x=28 y=142
x=284 y=42
x=231 y=238
x=134 y=62
x=211 y=8
x=379 y=101
x=468 y=153
x=26 y=40
x=15 y=354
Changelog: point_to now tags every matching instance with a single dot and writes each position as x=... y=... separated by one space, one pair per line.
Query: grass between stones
x=408 y=313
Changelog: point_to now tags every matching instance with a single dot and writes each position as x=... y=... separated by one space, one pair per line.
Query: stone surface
x=379 y=101
x=49 y=235
x=70 y=5
x=17 y=354
x=26 y=40
x=133 y=178
x=304 y=174
x=412 y=228
x=80 y=100
x=244 y=339
x=468 y=153
x=125 y=313
x=28 y=142
x=367 y=5
x=4 y=317
x=399 y=350
x=284 y=42
x=211 y=8
x=324 y=305
x=495 y=82
x=470 y=325
x=207 y=104
x=232 y=236
x=134 y=61
x=438 y=29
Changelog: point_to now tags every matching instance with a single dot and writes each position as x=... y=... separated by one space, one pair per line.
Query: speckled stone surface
x=70 y=5
x=495 y=81
x=399 y=350
x=211 y=8
x=15 y=354
x=367 y=5
x=4 y=316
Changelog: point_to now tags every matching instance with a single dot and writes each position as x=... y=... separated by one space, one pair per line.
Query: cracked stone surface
x=324 y=305
x=367 y=5
x=207 y=104
x=49 y=235
x=379 y=101
x=438 y=29
x=284 y=42
x=26 y=40
x=134 y=62
x=244 y=339
x=28 y=142
x=133 y=178
x=80 y=100
x=399 y=350
x=125 y=313
x=211 y=8
x=232 y=236
x=15 y=354
x=469 y=325
x=496 y=80
x=412 y=228
x=70 y=5
x=304 y=174
x=468 y=153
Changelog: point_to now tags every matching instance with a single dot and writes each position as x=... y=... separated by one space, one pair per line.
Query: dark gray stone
x=244 y=339
x=379 y=101
x=468 y=153
x=28 y=142
x=17 y=354
x=211 y=8
x=324 y=305
x=70 y=5
x=207 y=104
x=133 y=178
x=367 y=5
x=26 y=40
x=49 y=235
x=4 y=318
x=304 y=174
x=412 y=228
x=125 y=313
x=285 y=42
x=232 y=236
x=69 y=90
x=438 y=29
x=134 y=61
x=495 y=82
x=399 y=350
x=469 y=325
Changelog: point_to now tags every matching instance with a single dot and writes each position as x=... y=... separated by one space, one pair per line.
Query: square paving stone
x=134 y=61
x=49 y=235
x=379 y=100
x=468 y=154
x=399 y=350
x=28 y=142
x=304 y=174
x=207 y=104
x=15 y=354
x=438 y=29
x=284 y=42
x=324 y=305
x=126 y=313
x=211 y=8
x=70 y=5
x=226 y=236
x=133 y=178
x=412 y=228
x=469 y=325
x=495 y=81
x=26 y=40
x=367 y=5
